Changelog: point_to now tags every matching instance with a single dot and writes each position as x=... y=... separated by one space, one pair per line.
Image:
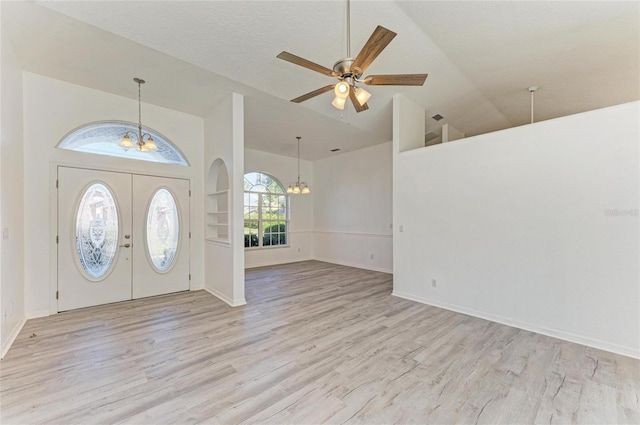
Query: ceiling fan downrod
x=348 y=28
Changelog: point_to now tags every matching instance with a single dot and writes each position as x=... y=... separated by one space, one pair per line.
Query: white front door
x=94 y=228
x=121 y=236
x=161 y=251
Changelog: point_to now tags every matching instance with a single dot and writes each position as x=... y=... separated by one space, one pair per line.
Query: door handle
x=127 y=245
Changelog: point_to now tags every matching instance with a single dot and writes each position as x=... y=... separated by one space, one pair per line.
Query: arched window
x=103 y=138
x=266 y=215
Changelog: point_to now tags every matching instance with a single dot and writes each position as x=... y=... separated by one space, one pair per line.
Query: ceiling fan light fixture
x=342 y=90
x=339 y=102
x=362 y=95
x=350 y=71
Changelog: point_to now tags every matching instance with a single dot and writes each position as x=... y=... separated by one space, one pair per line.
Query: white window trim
x=260 y=221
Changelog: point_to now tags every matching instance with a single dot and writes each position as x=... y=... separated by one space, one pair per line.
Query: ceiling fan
x=349 y=71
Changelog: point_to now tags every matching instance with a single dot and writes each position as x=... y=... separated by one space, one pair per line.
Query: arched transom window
x=103 y=138
x=266 y=215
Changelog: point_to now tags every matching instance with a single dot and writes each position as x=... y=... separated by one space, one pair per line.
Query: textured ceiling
x=480 y=57
x=582 y=55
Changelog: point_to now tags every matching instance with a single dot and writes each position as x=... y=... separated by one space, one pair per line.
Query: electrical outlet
x=298 y=249
x=401 y=228
x=372 y=256
x=434 y=284
x=5 y=233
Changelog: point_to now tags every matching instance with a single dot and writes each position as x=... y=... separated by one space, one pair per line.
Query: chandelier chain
x=298 y=137
x=139 y=112
x=139 y=105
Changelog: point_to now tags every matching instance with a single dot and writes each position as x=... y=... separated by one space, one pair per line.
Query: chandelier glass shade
x=299 y=187
x=144 y=141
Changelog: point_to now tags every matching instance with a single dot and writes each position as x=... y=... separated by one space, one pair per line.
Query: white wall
x=285 y=169
x=224 y=139
x=51 y=109
x=514 y=227
x=352 y=208
x=409 y=135
x=11 y=198
x=450 y=134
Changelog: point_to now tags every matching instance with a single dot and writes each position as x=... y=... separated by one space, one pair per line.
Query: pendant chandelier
x=141 y=144
x=298 y=187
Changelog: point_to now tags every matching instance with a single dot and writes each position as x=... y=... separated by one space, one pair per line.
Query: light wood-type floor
x=316 y=343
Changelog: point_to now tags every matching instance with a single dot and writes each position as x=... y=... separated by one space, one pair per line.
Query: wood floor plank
x=316 y=343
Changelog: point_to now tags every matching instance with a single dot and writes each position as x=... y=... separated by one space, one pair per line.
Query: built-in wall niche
x=217 y=202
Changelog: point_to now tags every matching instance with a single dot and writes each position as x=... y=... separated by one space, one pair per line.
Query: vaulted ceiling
x=480 y=56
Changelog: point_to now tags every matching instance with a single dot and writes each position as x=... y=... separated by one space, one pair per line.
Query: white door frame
x=53 y=224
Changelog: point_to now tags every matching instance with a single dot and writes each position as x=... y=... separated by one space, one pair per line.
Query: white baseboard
x=357 y=266
x=275 y=263
x=37 y=314
x=555 y=333
x=233 y=303
x=12 y=337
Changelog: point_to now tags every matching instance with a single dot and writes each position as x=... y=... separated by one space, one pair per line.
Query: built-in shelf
x=218 y=207
x=218 y=241
x=219 y=192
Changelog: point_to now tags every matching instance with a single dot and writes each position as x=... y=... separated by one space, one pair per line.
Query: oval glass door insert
x=97 y=231
x=163 y=230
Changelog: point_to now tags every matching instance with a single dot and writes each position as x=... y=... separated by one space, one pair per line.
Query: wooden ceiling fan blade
x=356 y=104
x=313 y=93
x=380 y=38
x=289 y=57
x=396 y=80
